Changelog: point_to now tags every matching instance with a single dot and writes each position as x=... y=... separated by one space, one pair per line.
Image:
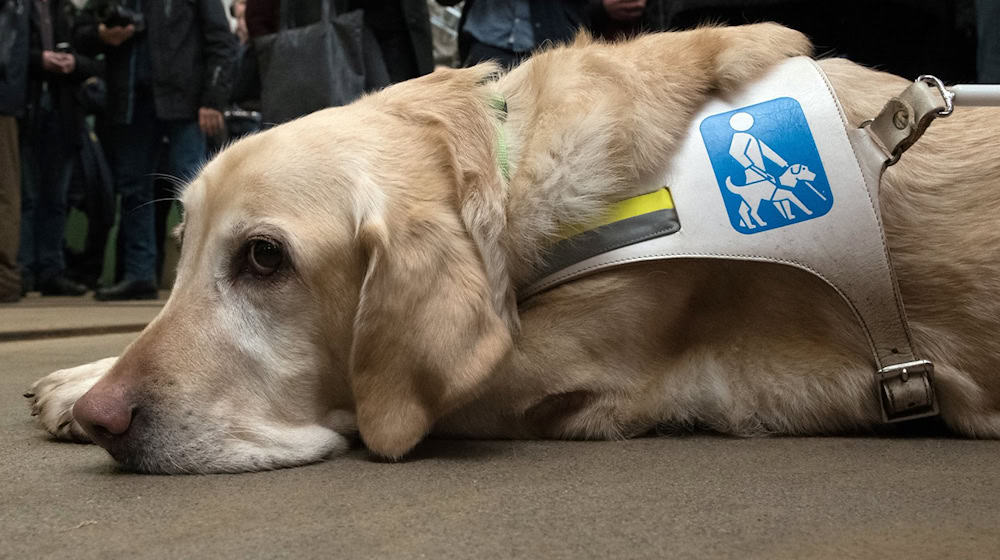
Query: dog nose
x=105 y=413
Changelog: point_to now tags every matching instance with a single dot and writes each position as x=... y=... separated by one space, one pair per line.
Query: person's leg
x=10 y=210
x=164 y=191
x=186 y=149
x=95 y=194
x=26 y=256
x=55 y=165
x=132 y=152
x=186 y=152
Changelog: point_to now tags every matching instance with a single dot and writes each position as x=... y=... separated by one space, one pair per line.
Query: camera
x=116 y=15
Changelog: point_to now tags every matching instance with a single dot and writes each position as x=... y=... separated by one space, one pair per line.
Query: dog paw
x=53 y=396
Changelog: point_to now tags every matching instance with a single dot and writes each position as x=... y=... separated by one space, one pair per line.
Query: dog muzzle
x=775 y=173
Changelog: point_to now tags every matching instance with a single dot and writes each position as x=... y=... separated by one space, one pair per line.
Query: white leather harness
x=825 y=221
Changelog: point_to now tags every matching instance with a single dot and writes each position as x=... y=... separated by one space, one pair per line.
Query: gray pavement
x=687 y=497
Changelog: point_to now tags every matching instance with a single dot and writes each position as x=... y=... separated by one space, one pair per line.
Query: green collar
x=499 y=105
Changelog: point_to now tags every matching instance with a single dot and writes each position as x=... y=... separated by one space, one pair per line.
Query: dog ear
x=426 y=333
x=453 y=107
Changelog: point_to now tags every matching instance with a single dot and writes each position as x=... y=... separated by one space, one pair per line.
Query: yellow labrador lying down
x=354 y=272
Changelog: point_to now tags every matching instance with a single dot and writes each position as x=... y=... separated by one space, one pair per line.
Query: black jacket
x=13 y=55
x=62 y=87
x=403 y=31
x=191 y=49
x=401 y=28
x=928 y=36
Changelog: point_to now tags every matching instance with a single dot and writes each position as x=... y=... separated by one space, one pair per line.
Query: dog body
x=753 y=194
x=399 y=245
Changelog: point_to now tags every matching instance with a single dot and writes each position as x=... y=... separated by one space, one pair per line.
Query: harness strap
x=840 y=240
x=905 y=117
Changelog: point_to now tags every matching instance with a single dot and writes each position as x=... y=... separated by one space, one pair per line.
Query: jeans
x=47 y=165
x=134 y=150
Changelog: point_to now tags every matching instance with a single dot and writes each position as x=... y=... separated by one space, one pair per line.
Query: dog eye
x=266 y=256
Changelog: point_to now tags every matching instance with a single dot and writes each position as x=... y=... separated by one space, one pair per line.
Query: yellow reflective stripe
x=659 y=199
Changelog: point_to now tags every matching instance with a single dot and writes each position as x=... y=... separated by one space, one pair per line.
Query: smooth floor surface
x=50 y=317
x=687 y=497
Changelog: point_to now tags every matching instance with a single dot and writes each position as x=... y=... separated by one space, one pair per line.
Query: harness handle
x=905 y=117
x=977 y=95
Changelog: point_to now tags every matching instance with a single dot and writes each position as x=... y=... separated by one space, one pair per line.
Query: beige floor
x=689 y=497
x=48 y=317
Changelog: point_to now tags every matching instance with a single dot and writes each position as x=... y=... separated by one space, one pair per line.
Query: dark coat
x=927 y=37
x=62 y=87
x=401 y=27
x=14 y=16
x=192 y=52
x=403 y=31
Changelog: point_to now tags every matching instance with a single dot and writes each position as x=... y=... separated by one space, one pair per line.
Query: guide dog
x=355 y=272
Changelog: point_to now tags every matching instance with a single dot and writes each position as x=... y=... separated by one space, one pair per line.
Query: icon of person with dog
x=759 y=185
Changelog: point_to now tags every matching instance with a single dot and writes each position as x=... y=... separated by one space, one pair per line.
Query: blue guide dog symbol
x=767 y=165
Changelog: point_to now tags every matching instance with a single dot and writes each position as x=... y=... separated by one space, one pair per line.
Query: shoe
x=61 y=286
x=128 y=289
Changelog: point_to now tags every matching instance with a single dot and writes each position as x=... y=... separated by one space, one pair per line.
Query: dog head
x=794 y=173
x=330 y=282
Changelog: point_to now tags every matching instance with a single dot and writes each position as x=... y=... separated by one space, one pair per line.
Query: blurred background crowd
x=108 y=106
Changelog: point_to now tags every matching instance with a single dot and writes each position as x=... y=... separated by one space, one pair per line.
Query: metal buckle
x=906 y=391
x=946 y=94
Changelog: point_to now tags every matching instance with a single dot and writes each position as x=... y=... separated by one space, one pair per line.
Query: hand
x=52 y=61
x=68 y=63
x=624 y=10
x=116 y=35
x=58 y=63
x=210 y=120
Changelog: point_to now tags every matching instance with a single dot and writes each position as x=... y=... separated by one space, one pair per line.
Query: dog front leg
x=53 y=396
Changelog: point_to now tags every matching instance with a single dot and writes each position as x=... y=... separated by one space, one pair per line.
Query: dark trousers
x=134 y=150
x=46 y=165
x=10 y=209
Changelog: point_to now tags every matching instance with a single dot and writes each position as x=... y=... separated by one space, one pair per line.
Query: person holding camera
x=169 y=70
x=50 y=131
